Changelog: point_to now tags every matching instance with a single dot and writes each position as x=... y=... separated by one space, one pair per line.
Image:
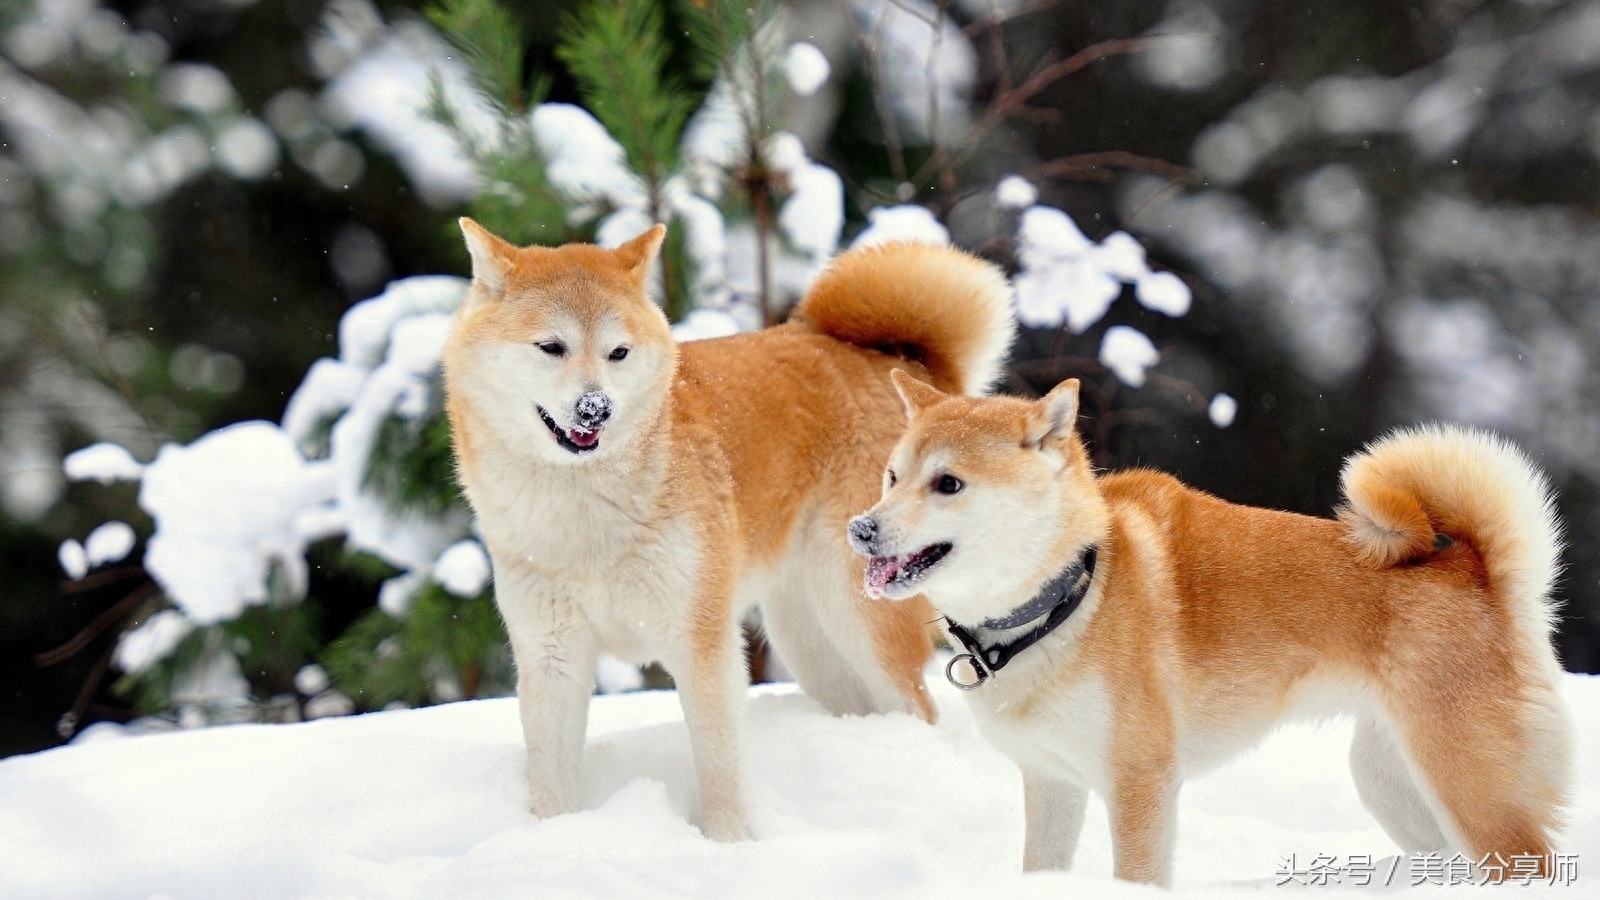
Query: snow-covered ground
x=429 y=803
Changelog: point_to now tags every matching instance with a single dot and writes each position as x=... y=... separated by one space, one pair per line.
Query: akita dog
x=1121 y=633
x=636 y=496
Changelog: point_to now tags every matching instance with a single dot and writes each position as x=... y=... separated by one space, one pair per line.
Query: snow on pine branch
x=109 y=543
x=902 y=224
x=463 y=569
x=239 y=505
x=102 y=462
x=227 y=509
x=382 y=78
x=812 y=217
x=806 y=68
x=584 y=162
x=381 y=83
x=1128 y=353
x=404 y=385
x=1068 y=280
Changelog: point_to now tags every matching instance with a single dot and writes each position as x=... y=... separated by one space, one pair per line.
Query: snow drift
x=430 y=803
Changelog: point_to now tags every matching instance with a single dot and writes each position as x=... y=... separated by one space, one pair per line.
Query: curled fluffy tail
x=944 y=308
x=1408 y=487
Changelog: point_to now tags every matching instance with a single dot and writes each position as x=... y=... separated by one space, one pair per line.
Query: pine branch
x=491 y=45
x=101 y=622
x=616 y=51
x=152 y=688
x=381 y=659
x=412 y=466
x=725 y=37
x=515 y=201
x=718 y=28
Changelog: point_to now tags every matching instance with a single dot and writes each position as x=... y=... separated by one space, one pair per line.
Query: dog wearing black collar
x=1122 y=633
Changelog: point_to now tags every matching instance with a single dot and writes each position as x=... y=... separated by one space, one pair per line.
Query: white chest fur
x=591 y=543
x=1054 y=728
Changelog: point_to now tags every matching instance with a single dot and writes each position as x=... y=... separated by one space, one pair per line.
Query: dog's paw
x=726 y=832
x=547 y=806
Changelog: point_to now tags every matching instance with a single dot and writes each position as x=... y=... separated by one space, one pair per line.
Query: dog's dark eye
x=554 y=348
x=948 y=484
x=620 y=353
x=892 y=479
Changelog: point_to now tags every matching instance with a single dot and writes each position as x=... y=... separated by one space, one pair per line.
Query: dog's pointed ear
x=637 y=254
x=492 y=257
x=1053 y=414
x=916 y=395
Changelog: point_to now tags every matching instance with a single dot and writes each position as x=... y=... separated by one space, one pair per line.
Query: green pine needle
x=516 y=202
x=490 y=45
x=412 y=465
x=616 y=50
x=151 y=689
x=719 y=29
x=271 y=643
x=381 y=659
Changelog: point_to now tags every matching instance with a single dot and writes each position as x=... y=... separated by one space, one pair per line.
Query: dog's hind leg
x=555 y=654
x=711 y=684
x=1388 y=790
x=853 y=655
x=1054 y=811
x=1491 y=753
x=789 y=618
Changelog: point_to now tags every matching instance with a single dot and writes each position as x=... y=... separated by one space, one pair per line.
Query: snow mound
x=463 y=568
x=103 y=462
x=1222 y=410
x=429 y=803
x=912 y=224
x=225 y=509
x=1127 y=352
x=109 y=543
x=805 y=67
x=1015 y=192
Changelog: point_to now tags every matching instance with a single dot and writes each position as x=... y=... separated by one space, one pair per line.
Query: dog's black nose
x=592 y=410
x=863 y=533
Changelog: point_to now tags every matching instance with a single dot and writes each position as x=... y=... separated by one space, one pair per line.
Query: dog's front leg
x=555 y=652
x=711 y=686
x=1054 y=812
x=1143 y=806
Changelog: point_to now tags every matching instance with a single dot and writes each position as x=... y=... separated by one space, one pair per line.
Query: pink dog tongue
x=583 y=438
x=880 y=571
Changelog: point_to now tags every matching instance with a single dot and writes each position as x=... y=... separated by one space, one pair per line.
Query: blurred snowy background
x=1262 y=232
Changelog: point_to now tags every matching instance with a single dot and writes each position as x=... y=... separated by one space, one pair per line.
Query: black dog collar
x=1055 y=603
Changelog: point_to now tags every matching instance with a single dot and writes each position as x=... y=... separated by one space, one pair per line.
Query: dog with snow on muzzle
x=1122 y=633
x=638 y=496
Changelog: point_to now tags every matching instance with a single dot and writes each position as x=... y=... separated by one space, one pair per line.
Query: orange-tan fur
x=1207 y=623
x=723 y=478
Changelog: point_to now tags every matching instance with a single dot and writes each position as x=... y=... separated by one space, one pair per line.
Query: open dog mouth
x=575 y=441
x=903 y=571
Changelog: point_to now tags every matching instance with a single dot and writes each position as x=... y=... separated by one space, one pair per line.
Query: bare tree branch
x=101 y=579
x=101 y=622
x=1087 y=166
